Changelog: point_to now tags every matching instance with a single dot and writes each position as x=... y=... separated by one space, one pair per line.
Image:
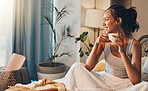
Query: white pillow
x=145 y=66
x=144 y=76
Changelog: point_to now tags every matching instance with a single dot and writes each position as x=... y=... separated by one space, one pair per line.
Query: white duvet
x=79 y=78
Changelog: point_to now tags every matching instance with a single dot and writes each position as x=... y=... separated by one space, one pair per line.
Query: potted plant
x=50 y=68
x=86 y=42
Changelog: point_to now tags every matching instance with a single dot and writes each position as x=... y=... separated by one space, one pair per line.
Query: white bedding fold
x=79 y=78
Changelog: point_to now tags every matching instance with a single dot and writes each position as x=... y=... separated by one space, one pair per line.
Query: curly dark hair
x=128 y=16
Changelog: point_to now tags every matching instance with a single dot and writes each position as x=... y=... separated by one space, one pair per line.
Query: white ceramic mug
x=111 y=38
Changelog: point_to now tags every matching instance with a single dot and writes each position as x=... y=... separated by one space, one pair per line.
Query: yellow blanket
x=54 y=86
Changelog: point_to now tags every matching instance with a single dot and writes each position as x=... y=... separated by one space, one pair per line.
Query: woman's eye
x=105 y=19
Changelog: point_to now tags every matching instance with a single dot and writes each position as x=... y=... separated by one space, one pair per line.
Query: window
x=6 y=17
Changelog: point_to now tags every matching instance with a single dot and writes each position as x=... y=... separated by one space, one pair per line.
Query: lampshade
x=94 y=18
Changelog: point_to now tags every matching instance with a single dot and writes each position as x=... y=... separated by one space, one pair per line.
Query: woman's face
x=109 y=23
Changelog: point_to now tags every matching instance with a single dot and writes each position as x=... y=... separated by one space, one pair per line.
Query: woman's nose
x=103 y=23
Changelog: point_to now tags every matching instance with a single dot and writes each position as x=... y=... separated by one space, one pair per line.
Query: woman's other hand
x=119 y=43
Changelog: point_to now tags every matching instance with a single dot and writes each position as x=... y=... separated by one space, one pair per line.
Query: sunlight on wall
x=6 y=15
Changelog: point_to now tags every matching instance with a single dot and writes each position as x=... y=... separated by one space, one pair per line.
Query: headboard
x=144 y=45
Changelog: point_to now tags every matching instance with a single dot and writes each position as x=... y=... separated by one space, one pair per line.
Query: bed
x=74 y=83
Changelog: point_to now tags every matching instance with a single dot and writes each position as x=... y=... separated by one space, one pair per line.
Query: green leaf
x=86 y=53
x=56 y=55
x=81 y=54
x=83 y=38
x=83 y=34
x=77 y=39
x=91 y=45
x=64 y=12
x=68 y=32
x=80 y=49
x=86 y=33
x=49 y=21
x=66 y=53
x=56 y=10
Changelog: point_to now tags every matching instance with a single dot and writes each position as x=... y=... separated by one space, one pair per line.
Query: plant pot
x=47 y=70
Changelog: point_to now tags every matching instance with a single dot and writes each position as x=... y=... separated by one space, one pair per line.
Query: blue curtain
x=32 y=36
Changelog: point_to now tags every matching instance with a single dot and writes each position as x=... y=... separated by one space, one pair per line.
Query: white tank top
x=115 y=65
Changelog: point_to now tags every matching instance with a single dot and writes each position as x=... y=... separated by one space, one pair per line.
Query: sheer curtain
x=6 y=10
x=31 y=36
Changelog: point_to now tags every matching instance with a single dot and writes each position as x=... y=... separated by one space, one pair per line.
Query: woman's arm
x=133 y=68
x=94 y=56
x=96 y=51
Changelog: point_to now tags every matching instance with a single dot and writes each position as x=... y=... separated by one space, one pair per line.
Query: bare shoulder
x=136 y=46
x=136 y=43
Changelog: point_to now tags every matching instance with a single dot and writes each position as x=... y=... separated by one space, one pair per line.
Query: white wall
x=73 y=20
x=103 y=4
x=142 y=9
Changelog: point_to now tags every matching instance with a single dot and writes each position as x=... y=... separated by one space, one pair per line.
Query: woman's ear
x=119 y=21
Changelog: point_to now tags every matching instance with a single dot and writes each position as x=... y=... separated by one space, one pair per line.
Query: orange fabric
x=58 y=86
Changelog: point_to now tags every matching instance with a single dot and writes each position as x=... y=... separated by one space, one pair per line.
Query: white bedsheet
x=79 y=78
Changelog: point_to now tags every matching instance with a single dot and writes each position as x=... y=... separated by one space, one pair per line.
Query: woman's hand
x=120 y=43
x=96 y=51
x=103 y=38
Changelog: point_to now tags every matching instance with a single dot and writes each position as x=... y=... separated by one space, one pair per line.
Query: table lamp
x=94 y=19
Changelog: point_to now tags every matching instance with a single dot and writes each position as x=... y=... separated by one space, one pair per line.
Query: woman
x=123 y=57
